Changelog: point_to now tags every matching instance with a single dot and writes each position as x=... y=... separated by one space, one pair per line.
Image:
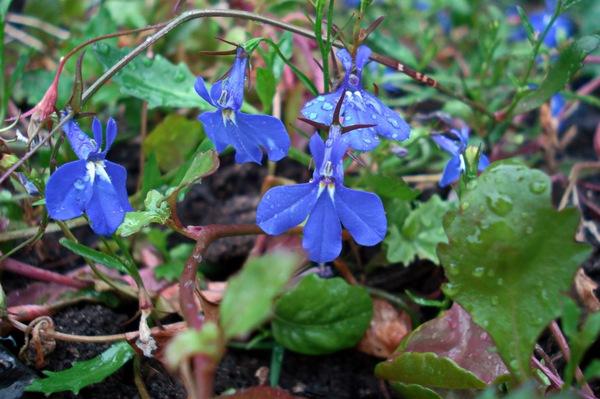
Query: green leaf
x=86 y=372
x=157 y=211
x=560 y=73
x=265 y=87
x=93 y=255
x=172 y=140
x=321 y=316
x=248 y=300
x=579 y=339
x=427 y=369
x=191 y=342
x=172 y=269
x=510 y=257
x=414 y=391
x=389 y=187
x=418 y=234
x=151 y=178
x=593 y=370
x=526 y=24
x=157 y=80
x=202 y=164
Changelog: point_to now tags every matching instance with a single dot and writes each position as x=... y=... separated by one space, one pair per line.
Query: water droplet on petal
x=327 y=106
x=313 y=115
x=393 y=122
x=367 y=140
x=79 y=184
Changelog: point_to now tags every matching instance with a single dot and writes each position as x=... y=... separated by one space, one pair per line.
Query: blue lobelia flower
x=91 y=185
x=359 y=107
x=326 y=203
x=247 y=134
x=561 y=29
x=456 y=147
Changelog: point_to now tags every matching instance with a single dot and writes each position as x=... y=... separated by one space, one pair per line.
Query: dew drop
x=312 y=115
x=79 y=184
x=147 y=61
x=179 y=76
x=544 y=295
x=367 y=140
x=500 y=204
x=327 y=106
x=102 y=48
x=500 y=281
x=483 y=336
x=451 y=289
x=495 y=300
x=348 y=117
x=320 y=99
x=478 y=271
x=393 y=122
x=329 y=142
x=538 y=187
x=373 y=116
x=465 y=205
x=514 y=364
x=529 y=230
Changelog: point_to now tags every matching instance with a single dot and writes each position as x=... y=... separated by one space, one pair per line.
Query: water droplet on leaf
x=478 y=271
x=538 y=187
x=500 y=204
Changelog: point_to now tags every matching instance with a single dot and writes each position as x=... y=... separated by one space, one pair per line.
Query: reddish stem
x=36 y=273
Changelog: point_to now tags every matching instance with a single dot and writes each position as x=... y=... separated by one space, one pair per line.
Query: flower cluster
x=90 y=185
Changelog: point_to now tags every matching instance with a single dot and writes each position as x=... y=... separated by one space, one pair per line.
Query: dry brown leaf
x=388 y=327
x=585 y=288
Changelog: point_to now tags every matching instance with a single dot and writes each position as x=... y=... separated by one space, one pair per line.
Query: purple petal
x=111 y=134
x=483 y=162
x=266 y=132
x=68 y=191
x=451 y=171
x=317 y=150
x=233 y=83
x=362 y=57
x=97 y=130
x=215 y=92
x=362 y=214
x=80 y=142
x=345 y=58
x=320 y=109
x=106 y=209
x=215 y=129
x=118 y=176
x=200 y=87
x=284 y=207
x=323 y=231
x=446 y=144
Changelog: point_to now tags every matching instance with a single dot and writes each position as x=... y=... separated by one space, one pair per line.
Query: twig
x=24 y=38
x=555 y=379
x=566 y=351
x=38 y=24
x=137 y=378
x=36 y=273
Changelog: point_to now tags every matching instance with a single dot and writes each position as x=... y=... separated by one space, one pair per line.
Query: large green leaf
x=155 y=80
x=510 y=257
x=560 y=73
x=96 y=256
x=414 y=391
x=248 y=300
x=191 y=342
x=427 y=369
x=172 y=140
x=416 y=234
x=321 y=316
x=86 y=372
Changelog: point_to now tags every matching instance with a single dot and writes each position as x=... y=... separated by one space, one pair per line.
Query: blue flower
x=247 y=134
x=91 y=185
x=456 y=147
x=359 y=107
x=561 y=29
x=326 y=203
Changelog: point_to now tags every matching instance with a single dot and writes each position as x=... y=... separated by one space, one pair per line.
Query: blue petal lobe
x=317 y=150
x=111 y=134
x=215 y=129
x=215 y=92
x=320 y=109
x=105 y=209
x=200 y=87
x=118 y=177
x=451 y=171
x=97 y=131
x=267 y=132
x=345 y=58
x=362 y=57
x=446 y=144
x=362 y=214
x=483 y=162
x=323 y=231
x=67 y=191
x=233 y=83
x=80 y=142
x=284 y=207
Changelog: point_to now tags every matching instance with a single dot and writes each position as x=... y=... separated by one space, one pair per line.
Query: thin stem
x=36 y=273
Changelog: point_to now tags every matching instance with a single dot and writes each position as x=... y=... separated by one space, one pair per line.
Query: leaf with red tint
x=261 y=392
x=454 y=335
x=388 y=327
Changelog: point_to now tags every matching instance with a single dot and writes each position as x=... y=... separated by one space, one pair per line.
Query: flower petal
x=97 y=131
x=446 y=144
x=215 y=129
x=106 y=209
x=320 y=109
x=362 y=57
x=68 y=191
x=80 y=142
x=233 y=83
x=323 y=232
x=118 y=176
x=111 y=134
x=200 y=87
x=345 y=58
x=362 y=214
x=451 y=171
x=483 y=162
x=284 y=207
x=317 y=150
x=267 y=132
